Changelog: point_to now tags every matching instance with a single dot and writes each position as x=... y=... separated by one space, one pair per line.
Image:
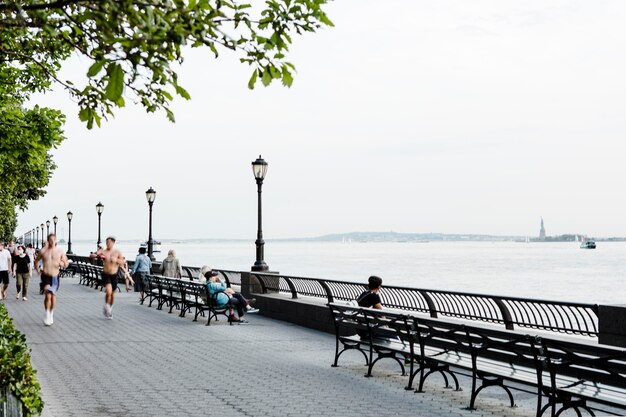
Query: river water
x=553 y=271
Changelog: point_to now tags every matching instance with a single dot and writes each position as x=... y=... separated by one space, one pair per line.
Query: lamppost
x=47 y=228
x=99 y=209
x=55 y=220
x=259 y=169
x=36 y=238
x=42 y=239
x=150 y=196
x=69 y=232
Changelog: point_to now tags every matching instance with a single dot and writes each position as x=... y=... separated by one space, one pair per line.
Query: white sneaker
x=47 y=320
x=51 y=316
x=19 y=294
x=25 y=299
x=252 y=310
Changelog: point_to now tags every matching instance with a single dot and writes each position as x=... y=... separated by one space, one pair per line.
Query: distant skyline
x=416 y=117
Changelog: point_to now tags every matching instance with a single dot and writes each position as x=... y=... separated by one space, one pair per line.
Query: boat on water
x=156 y=245
x=588 y=244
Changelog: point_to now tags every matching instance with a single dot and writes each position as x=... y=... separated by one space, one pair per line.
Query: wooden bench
x=567 y=373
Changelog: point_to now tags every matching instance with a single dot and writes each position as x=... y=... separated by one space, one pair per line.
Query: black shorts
x=109 y=279
x=4 y=277
x=53 y=282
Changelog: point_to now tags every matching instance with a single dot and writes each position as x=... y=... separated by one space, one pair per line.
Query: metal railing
x=562 y=317
x=512 y=312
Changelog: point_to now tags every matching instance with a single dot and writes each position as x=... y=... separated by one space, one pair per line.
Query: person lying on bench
x=225 y=296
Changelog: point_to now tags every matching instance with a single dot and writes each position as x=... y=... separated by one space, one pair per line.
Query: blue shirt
x=142 y=264
x=218 y=288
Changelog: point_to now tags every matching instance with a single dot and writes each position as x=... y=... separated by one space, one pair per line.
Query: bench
x=183 y=295
x=583 y=372
x=567 y=373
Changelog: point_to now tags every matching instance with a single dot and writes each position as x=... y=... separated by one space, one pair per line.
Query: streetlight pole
x=55 y=220
x=42 y=239
x=259 y=169
x=36 y=238
x=99 y=209
x=69 y=233
x=150 y=196
x=47 y=228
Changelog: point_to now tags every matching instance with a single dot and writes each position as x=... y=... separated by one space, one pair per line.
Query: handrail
x=512 y=312
x=556 y=316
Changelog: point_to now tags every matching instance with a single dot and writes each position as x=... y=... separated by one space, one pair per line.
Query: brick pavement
x=146 y=362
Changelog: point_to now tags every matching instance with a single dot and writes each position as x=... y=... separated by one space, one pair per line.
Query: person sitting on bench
x=225 y=296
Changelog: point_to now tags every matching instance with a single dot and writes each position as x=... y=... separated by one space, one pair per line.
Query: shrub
x=16 y=371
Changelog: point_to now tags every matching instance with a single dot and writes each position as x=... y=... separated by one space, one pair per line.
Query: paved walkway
x=148 y=362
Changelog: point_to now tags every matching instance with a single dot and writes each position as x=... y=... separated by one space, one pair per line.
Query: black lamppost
x=47 y=228
x=259 y=169
x=69 y=232
x=36 y=238
x=55 y=220
x=99 y=209
x=150 y=196
x=42 y=239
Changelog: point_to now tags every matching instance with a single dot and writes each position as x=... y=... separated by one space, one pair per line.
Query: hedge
x=16 y=371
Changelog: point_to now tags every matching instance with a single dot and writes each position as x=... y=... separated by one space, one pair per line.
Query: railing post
x=506 y=314
x=612 y=325
x=294 y=292
x=329 y=293
x=430 y=303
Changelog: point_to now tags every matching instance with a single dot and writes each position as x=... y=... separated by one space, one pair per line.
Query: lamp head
x=150 y=195
x=259 y=168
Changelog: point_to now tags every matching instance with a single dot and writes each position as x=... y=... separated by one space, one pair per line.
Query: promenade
x=146 y=362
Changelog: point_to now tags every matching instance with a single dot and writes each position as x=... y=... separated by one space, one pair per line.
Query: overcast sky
x=411 y=116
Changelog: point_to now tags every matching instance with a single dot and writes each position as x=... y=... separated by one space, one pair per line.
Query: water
x=552 y=271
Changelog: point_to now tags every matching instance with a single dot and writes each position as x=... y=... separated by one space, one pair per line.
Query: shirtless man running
x=112 y=259
x=53 y=259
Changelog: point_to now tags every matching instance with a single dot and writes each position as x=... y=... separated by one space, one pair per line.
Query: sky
x=409 y=116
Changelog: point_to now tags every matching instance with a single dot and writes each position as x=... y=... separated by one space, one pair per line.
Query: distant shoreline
x=372 y=237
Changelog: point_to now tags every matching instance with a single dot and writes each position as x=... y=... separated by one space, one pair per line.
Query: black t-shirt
x=368 y=299
x=21 y=263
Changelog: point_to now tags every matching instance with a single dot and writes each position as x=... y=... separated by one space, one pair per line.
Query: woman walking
x=22 y=271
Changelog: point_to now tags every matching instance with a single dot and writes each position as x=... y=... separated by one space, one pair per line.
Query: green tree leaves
x=16 y=371
x=138 y=43
x=26 y=137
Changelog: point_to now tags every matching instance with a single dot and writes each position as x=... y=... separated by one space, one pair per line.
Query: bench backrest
x=596 y=363
x=505 y=347
x=442 y=335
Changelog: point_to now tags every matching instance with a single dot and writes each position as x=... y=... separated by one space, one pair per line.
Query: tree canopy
x=132 y=47
x=132 y=44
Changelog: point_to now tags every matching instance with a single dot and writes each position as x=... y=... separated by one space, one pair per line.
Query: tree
x=132 y=45
x=26 y=137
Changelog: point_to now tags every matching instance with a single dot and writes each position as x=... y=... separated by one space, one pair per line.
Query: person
x=52 y=259
x=30 y=251
x=170 y=267
x=12 y=248
x=370 y=298
x=5 y=267
x=126 y=274
x=41 y=283
x=141 y=268
x=22 y=271
x=112 y=261
x=225 y=296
